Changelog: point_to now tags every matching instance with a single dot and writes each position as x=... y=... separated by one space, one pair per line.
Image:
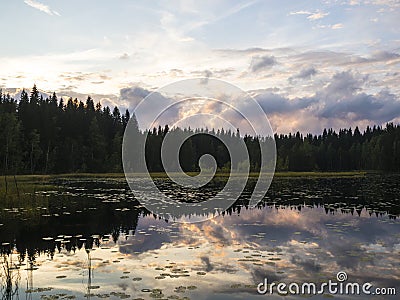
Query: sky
x=309 y=64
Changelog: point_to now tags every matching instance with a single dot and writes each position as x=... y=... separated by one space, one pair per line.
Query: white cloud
x=42 y=7
x=317 y=16
x=389 y=3
x=300 y=12
x=311 y=15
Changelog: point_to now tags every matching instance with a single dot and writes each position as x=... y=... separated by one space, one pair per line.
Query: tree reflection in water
x=68 y=228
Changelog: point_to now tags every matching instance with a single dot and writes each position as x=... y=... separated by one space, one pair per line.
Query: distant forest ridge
x=47 y=136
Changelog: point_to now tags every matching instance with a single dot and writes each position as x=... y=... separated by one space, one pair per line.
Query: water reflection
x=10 y=277
x=94 y=240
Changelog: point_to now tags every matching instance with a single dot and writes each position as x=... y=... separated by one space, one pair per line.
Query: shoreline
x=40 y=177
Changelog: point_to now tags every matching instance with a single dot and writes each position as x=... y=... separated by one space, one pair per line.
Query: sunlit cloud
x=300 y=12
x=310 y=15
x=337 y=26
x=293 y=55
x=317 y=16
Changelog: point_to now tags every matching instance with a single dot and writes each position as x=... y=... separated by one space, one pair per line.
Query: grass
x=321 y=174
x=28 y=182
x=281 y=174
x=23 y=186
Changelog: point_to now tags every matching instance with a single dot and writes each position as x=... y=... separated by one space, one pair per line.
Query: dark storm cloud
x=262 y=62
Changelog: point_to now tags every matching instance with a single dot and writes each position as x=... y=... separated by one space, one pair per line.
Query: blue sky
x=291 y=55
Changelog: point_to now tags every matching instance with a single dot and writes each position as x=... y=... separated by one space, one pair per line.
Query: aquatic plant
x=10 y=278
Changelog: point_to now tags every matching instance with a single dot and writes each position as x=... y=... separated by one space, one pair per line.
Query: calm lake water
x=92 y=239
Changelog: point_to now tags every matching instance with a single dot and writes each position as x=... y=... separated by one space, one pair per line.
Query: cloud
x=307 y=73
x=337 y=26
x=342 y=102
x=304 y=74
x=77 y=76
x=317 y=16
x=104 y=77
x=300 y=12
x=381 y=108
x=343 y=98
x=42 y=7
x=389 y=3
x=254 y=50
x=346 y=59
x=124 y=56
x=311 y=15
x=261 y=62
x=273 y=103
x=157 y=109
x=133 y=95
x=384 y=56
x=206 y=74
x=343 y=84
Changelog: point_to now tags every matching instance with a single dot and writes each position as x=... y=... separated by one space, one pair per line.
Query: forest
x=48 y=136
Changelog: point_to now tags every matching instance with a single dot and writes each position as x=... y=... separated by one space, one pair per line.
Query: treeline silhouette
x=49 y=136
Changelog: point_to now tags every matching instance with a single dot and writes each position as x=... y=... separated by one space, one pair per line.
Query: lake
x=90 y=238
